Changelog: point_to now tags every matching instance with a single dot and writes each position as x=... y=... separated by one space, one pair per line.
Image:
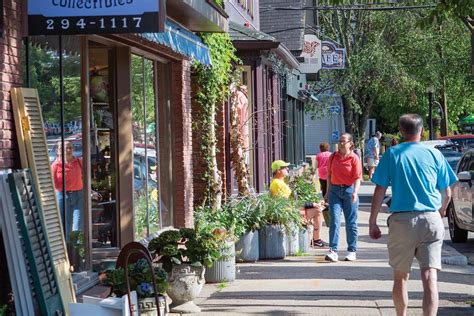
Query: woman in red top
x=322 y=160
x=344 y=177
x=73 y=193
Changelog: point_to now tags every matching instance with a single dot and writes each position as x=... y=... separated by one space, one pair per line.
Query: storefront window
x=146 y=193
x=43 y=70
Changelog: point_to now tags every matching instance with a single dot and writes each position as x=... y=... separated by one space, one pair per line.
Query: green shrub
x=279 y=211
x=174 y=247
x=140 y=279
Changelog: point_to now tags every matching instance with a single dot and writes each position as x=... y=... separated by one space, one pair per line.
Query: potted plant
x=248 y=212
x=279 y=215
x=225 y=225
x=184 y=254
x=140 y=280
x=305 y=192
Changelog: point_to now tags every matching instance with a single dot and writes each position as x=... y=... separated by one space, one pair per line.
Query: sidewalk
x=308 y=285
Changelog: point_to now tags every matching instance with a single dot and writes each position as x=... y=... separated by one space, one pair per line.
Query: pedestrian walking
x=322 y=160
x=278 y=187
x=344 y=177
x=372 y=150
x=420 y=178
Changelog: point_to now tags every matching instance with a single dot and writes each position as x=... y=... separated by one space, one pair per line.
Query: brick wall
x=182 y=143
x=10 y=46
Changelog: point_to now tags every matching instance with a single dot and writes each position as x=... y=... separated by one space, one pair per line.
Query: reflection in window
x=145 y=179
x=43 y=70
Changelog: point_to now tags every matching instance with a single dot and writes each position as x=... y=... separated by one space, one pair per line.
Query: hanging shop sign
x=331 y=56
x=61 y=17
x=311 y=54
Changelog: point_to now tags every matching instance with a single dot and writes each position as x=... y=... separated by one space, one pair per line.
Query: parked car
x=461 y=208
x=464 y=141
x=140 y=172
x=435 y=143
x=452 y=153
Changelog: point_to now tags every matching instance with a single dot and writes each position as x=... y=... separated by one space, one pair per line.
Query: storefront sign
x=311 y=54
x=58 y=17
x=331 y=56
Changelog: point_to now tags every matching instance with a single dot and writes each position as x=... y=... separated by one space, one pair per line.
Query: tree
x=390 y=62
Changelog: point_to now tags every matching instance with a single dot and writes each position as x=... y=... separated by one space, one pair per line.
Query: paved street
x=308 y=285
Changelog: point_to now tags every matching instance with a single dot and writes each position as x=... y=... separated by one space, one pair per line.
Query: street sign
x=334 y=136
x=60 y=17
x=335 y=109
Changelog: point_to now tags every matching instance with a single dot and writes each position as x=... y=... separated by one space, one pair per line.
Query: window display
x=103 y=150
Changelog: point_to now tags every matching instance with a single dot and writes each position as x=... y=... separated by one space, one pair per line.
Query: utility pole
x=429 y=90
x=443 y=100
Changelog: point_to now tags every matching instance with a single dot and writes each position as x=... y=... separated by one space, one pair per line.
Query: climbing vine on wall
x=278 y=66
x=213 y=88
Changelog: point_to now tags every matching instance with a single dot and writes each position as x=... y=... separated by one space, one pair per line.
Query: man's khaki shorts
x=415 y=234
x=372 y=162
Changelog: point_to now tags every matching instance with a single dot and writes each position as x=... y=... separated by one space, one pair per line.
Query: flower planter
x=305 y=235
x=272 y=242
x=292 y=241
x=246 y=248
x=147 y=306
x=186 y=283
x=223 y=270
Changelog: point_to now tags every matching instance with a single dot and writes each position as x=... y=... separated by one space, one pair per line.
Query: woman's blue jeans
x=340 y=199
x=74 y=220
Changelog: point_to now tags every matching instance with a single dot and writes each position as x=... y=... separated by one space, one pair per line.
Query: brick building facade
x=10 y=68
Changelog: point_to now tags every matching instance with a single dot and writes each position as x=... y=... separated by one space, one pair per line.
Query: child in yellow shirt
x=278 y=187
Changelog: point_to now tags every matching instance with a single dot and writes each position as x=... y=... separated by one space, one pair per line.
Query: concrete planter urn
x=147 y=306
x=186 y=282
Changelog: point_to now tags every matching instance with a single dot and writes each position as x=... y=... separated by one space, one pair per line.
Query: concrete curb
x=451 y=256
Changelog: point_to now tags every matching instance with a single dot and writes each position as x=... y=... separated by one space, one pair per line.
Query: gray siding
x=286 y=26
x=318 y=131
x=239 y=15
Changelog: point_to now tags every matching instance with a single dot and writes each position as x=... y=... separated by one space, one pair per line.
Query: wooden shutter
x=34 y=155
x=20 y=278
x=35 y=243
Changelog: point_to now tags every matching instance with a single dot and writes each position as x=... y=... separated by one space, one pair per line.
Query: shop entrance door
x=104 y=223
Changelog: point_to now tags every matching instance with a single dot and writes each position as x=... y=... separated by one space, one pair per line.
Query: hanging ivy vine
x=213 y=88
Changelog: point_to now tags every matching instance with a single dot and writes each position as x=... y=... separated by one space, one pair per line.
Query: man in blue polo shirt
x=420 y=178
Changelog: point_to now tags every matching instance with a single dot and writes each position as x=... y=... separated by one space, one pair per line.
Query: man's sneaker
x=351 y=256
x=331 y=256
x=319 y=243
